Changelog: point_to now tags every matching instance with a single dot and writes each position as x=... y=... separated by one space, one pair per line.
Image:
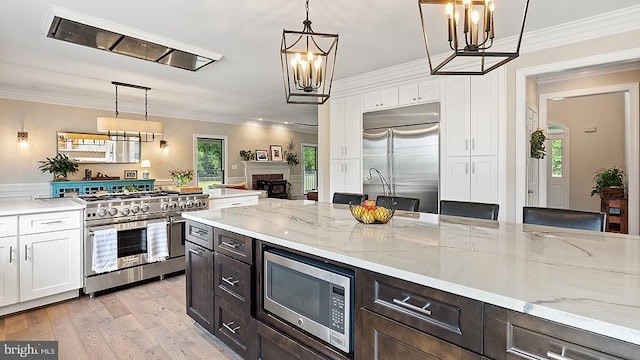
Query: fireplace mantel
x=265 y=167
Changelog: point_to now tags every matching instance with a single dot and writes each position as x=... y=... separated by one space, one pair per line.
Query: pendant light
x=468 y=28
x=308 y=60
x=121 y=128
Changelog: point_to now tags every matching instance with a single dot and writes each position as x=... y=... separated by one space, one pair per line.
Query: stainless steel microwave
x=311 y=295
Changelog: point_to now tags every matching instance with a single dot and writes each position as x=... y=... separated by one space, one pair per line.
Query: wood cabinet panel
x=272 y=345
x=233 y=281
x=510 y=335
x=234 y=327
x=199 y=287
x=385 y=339
x=450 y=317
x=237 y=246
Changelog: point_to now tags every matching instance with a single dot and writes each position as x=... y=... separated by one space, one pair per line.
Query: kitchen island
x=586 y=280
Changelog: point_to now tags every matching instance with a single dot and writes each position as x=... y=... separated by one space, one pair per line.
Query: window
x=210 y=157
x=556 y=157
x=310 y=167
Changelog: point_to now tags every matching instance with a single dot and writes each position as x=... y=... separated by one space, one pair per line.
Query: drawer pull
x=51 y=222
x=236 y=204
x=554 y=356
x=231 y=245
x=404 y=303
x=230 y=281
x=230 y=328
x=25 y=252
x=198 y=232
x=195 y=252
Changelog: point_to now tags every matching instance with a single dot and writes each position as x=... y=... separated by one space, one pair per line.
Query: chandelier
x=470 y=33
x=308 y=60
x=120 y=128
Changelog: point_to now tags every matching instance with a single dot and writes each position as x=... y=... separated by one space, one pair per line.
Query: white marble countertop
x=26 y=206
x=219 y=193
x=588 y=280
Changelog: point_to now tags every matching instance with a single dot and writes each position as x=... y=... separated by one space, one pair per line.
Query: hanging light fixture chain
x=116 y=101
x=145 y=104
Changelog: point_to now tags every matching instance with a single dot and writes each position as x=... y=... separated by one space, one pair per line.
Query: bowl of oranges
x=368 y=212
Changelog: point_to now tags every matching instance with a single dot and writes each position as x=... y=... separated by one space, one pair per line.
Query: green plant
x=608 y=178
x=181 y=177
x=292 y=157
x=59 y=165
x=537 y=144
x=247 y=155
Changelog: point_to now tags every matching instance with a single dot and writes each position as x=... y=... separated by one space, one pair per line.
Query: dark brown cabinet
x=450 y=317
x=382 y=338
x=233 y=288
x=273 y=345
x=511 y=335
x=199 y=274
x=617 y=218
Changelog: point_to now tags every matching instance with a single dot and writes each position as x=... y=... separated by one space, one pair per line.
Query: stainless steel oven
x=310 y=295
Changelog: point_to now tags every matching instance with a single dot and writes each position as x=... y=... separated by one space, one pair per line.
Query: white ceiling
x=246 y=84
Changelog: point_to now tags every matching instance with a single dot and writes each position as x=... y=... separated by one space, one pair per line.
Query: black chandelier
x=470 y=40
x=308 y=60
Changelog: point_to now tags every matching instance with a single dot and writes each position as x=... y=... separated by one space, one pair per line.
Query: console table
x=60 y=188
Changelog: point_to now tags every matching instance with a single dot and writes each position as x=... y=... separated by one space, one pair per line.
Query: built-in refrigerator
x=403 y=145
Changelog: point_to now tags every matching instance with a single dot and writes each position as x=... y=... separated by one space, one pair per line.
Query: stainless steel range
x=135 y=236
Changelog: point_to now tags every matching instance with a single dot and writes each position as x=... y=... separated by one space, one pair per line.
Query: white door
x=9 y=289
x=557 y=167
x=484 y=179
x=532 y=164
x=458 y=174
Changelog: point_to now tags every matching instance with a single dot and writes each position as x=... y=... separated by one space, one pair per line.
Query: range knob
x=172 y=205
x=198 y=203
x=102 y=212
x=190 y=204
x=135 y=209
x=182 y=205
x=164 y=206
x=113 y=211
x=125 y=211
x=144 y=208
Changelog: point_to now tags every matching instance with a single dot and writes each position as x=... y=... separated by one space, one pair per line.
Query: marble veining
x=588 y=280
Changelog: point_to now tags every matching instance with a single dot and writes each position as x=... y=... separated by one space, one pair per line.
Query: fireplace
x=267 y=171
x=275 y=188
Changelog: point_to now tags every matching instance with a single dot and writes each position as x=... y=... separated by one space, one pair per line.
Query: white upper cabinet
x=346 y=128
x=380 y=99
x=471 y=115
x=424 y=91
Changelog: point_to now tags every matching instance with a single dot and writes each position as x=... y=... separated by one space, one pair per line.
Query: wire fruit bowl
x=367 y=214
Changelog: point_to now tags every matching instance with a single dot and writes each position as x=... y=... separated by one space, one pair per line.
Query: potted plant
x=59 y=166
x=292 y=157
x=609 y=183
x=247 y=155
x=537 y=144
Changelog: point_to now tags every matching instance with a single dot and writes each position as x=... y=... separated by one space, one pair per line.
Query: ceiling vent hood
x=99 y=34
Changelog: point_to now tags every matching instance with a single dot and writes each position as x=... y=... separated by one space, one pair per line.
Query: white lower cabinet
x=472 y=178
x=41 y=257
x=50 y=263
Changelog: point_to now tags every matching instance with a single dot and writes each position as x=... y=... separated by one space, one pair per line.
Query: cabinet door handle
x=195 y=252
x=466 y=168
x=404 y=303
x=554 y=356
x=473 y=168
x=25 y=252
x=466 y=144
x=230 y=281
x=473 y=144
x=10 y=254
x=228 y=244
x=230 y=328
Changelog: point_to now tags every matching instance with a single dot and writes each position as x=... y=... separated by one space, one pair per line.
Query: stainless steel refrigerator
x=403 y=144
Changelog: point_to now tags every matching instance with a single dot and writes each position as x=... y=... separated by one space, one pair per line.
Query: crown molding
x=611 y=23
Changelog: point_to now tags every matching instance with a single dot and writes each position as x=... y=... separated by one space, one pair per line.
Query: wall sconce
x=145 y=164
x=23 y=140
x=164 y=145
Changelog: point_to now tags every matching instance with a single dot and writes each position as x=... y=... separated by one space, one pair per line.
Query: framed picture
x=131 y=174
x=276 y=152
x=262 y=155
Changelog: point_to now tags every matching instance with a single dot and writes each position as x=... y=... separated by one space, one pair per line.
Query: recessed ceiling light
x=286 y=123
x=260 y=119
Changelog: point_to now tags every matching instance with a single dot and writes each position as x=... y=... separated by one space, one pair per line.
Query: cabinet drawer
x=450 y=317
x=199 y=233
x=234 y=327
x=233 y=281
x=513 y=335
x=273 y=345
x=233 y=202
x=237 y=246
x=381 y=338
x=45 y=222
x=8 y=226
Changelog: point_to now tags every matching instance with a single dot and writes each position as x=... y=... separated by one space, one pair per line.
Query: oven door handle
x=118 y=228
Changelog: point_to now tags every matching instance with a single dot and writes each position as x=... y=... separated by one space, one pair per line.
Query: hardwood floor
x=147 y=321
